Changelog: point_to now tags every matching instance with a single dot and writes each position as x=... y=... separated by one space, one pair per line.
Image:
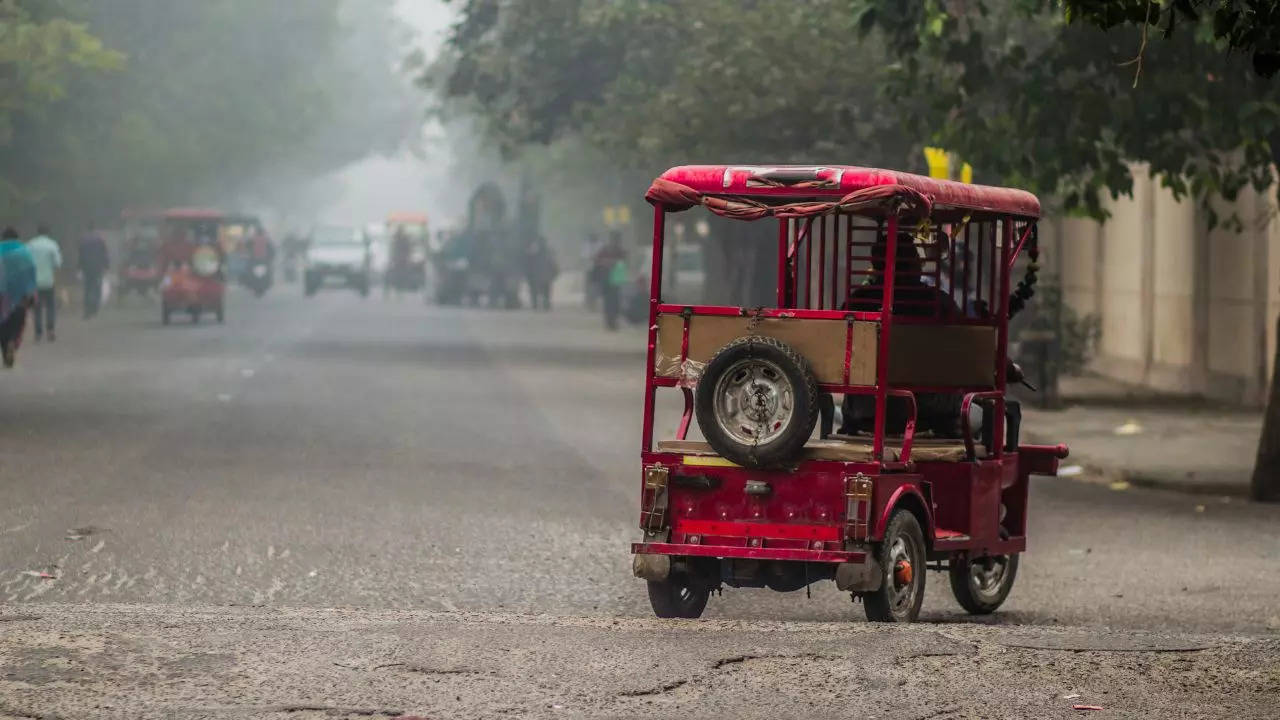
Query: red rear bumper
x=750 y=553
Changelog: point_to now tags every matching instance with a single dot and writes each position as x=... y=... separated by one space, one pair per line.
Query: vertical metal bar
x=784 y=236
x=808 y=262
x=964 y=284
x=822 y=263
x=835 y=263
x=951 y=265
x=977 y=281
x=655 y=297
x=1007 y=229
x=886 y=329
x=1002 y=339
x=848 y=260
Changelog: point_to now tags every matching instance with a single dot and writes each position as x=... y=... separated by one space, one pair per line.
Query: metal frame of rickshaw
x=872 y=490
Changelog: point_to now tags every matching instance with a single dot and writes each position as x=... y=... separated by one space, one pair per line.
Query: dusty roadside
x=136 y=661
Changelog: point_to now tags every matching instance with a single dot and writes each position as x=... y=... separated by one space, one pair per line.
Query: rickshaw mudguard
x=906 y=494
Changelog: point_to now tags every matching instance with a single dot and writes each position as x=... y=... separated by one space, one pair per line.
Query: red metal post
x=991 y=281
x=977 y=281
x=951 y=264
x=1002 y=339
x=848 y=261
x=655 y=297
x=808 y=263
x=886 y=326
x=822 y=263
x=835 y=263
x=784 y=238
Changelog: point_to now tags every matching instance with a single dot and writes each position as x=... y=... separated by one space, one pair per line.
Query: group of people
x=28 y=284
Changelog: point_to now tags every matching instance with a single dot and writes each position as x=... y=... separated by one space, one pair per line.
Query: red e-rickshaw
x=140 y=267
x=911 y=477
x=193 y=261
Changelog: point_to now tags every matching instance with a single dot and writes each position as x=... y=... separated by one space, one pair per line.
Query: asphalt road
x=390 y=455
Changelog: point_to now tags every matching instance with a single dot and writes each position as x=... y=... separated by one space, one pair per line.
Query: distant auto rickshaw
x=194 y=264
x=249 y=251
x=407 y=255
x=140 y=270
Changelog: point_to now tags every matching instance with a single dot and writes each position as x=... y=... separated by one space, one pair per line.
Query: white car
x=337 y=253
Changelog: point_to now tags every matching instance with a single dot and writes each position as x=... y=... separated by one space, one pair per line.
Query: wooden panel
x=942 y=355
x=821 y=342
x=922 y=355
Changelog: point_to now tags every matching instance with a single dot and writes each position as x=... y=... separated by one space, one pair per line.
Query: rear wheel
x=679 y=596
x=195 y=316
x=982 y=584
x=218 y=313
x=165 y=311
x=902 y=564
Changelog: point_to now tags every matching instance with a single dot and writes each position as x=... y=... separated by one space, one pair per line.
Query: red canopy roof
x=193 y=214
x=839 y=181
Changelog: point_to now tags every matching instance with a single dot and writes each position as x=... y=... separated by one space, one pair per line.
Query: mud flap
x=651 y=567
x=859 y=577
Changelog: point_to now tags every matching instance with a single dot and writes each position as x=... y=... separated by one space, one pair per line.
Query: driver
x=912 y=296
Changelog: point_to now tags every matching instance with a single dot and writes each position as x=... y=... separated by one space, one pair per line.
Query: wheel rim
x=754 y=403
x=684 y=594
x=903 y=581
x=987 y=576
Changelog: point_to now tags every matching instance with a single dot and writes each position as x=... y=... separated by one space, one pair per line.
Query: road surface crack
x=425 y=670
x=655 y=690
x=333 y=710
x=715 y=666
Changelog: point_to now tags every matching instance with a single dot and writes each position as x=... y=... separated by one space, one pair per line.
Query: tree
x=648 y=84
x=40 y=53
x=216 y=102
x=1047 y=99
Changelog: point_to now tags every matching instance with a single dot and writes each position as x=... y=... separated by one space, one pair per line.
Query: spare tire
x=757 y=402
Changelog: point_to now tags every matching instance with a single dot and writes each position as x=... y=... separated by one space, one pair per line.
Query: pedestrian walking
x=541 y=270
x=47 y=257
x=19 y=293
x=593 y=275
x=612 y=259
x=94 y=261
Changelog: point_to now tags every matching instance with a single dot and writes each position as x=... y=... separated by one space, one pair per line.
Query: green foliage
x=1032 y=100
x=207 y=99
x=652 y=82
x=39 y=57
x=1248 y=26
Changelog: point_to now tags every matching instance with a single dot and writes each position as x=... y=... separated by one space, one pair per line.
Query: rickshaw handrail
x=767 y=312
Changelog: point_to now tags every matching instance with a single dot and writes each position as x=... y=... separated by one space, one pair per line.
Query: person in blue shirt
x=20 y=292
x=47 y=257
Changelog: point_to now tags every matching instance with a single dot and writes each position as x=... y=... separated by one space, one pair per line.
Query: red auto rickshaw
x=912 y=476
x=193 y=261
x=140 y=270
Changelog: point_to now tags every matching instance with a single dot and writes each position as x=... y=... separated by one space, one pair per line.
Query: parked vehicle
x=336 y=255
x=193 y=262
x=761 y=502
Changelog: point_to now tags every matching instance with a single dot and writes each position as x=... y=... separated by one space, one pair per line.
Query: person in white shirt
x=47 y=257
